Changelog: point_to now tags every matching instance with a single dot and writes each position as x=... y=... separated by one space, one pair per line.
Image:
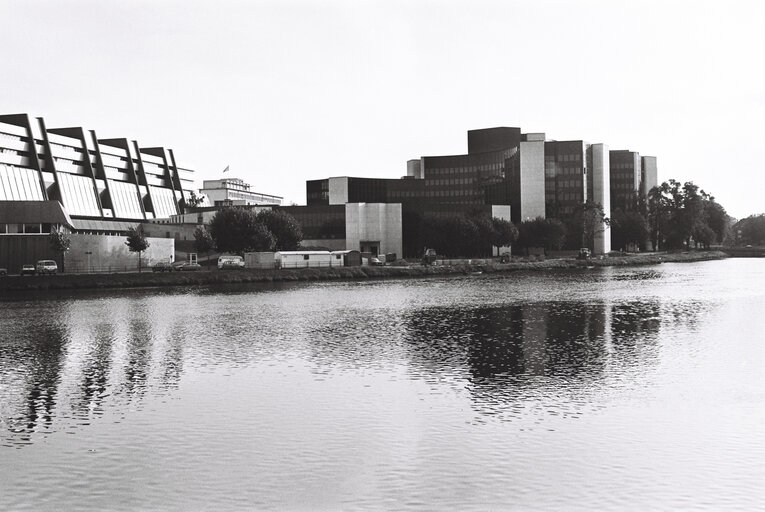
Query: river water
x=617 y=388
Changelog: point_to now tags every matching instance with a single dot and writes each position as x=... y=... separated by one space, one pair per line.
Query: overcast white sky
x=285 y=91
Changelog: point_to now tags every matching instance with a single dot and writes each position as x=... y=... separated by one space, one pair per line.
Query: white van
x=46 y=267
x=230 y=262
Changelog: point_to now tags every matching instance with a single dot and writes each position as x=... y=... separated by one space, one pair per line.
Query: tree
x=679 y=214
x=194 y=200
x=547 y=233
x=504 y=233
x=628 y=228
x=137 y=242
x=203 y=241
x=283 y=226
x=592 y=219
x=452 y=236
x=486 y=233
x=238 y=230
x=60 y=243
x=751 y=230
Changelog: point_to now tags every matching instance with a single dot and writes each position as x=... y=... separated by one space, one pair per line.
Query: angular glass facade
x=78 y=195
x=19 y=184
x=94 y=179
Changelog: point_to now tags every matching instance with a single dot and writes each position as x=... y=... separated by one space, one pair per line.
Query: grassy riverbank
x=210 y=277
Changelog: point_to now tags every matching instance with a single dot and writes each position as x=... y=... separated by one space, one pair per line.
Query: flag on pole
x=226 y=169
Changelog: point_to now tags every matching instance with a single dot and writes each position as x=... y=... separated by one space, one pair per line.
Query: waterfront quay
x=454 y=267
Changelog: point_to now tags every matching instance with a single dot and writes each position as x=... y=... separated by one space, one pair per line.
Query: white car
x=46 y=267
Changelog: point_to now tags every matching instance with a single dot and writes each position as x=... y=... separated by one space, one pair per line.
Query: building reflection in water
x=71 y=362
x=532 y=349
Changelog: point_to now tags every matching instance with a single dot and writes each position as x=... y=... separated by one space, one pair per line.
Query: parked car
x=3 y=271
x=230 y=262
x=375 y=262
x=584 y=254
x=178 y=265
x=162 y=266
x=46 y=267
x=191 y=267
x=27 y=269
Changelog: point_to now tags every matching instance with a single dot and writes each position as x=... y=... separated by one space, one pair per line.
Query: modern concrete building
x=566 y=178
x=236 y=192
x=506 y=173
x=626 y=173
x=374 y=228
x=104 y=185
x=632 y=177
x=70 y=180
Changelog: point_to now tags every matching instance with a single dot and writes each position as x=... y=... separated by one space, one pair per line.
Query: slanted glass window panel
x=125 y=200
x=78 y=195
x=19 y=184
x=164 y=203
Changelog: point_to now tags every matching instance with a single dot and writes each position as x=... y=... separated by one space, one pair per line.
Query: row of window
x=25 y=229
x=450 y=193
x=405 y=193
x=575 y=184
x=565 y=196
x=622 y=186
x=471 y=169
x=456 y=181
x=622 y=176
x=553 y=169
x=564 y=157
x=623 y=165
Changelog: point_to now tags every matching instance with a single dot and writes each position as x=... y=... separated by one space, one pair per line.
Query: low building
x=236 y=192
x=374 y=228
x=24 y=239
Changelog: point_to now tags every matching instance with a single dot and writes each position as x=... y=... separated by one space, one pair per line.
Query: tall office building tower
x=650 y=175
x=599 y=192
x=626 y=172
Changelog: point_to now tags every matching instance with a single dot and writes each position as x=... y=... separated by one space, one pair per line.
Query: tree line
x=674 y=215
x=238 y=230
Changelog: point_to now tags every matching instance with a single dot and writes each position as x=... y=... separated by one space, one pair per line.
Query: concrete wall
x=650 y=175
x=368 y=222
x=414 y=169
x=501 y=211
x=600 y=174
x=338 y=190
x=174 y=231
x=532 y=167
x=110 y=254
